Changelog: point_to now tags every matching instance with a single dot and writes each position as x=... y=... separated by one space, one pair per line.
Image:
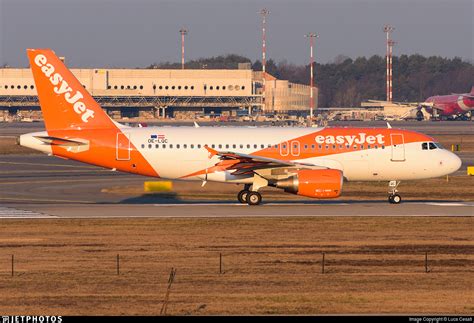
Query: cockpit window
x=424 y=146
x=432 y=145
x=439 y=145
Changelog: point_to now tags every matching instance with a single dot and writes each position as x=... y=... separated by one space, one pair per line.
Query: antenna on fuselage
x=389 y=126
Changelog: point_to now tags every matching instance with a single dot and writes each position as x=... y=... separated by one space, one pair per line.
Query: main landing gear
x=393 y=197
x=246 y=196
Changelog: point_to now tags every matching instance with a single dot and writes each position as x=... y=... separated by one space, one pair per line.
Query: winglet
x=212 y=152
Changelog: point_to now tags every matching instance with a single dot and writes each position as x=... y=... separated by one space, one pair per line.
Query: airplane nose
x=454 y=162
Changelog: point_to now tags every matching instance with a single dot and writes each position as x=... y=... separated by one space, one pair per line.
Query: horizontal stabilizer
x=62 y=141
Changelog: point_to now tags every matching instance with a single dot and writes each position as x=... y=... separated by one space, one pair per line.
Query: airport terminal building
x=144 y=94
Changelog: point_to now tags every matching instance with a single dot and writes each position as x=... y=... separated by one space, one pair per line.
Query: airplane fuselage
x=178 y=153
x=451 y=105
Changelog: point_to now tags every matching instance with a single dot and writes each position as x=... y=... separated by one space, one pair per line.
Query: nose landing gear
x=393 y=197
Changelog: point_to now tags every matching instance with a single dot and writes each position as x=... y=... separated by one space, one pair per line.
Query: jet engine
x=317 y=183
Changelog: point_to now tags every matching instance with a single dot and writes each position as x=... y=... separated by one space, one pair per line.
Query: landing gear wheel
x=254 y=198
x=395 y=199
x=242 y=196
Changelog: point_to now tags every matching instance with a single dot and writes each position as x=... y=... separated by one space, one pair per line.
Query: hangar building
x=160 y=93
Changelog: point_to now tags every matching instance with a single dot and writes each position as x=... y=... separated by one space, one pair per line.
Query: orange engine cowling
x=317 y=183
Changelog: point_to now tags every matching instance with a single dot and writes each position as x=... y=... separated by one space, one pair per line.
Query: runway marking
x=52 y=171
x=448 y=204
x=55 y=165
x=11 y=213
x=309 y=204
x=64 y=181
x=45 y=200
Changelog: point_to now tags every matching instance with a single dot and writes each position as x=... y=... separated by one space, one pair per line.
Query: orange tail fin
x=64 y=101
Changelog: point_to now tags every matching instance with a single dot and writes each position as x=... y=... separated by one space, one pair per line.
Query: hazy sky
x=136 y=33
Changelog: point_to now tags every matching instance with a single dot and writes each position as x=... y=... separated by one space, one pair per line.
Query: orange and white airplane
x=311 y=162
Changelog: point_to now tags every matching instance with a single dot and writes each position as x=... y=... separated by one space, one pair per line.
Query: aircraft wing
x=243 y=164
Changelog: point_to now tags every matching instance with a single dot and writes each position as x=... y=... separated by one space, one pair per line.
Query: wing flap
x=244 y=164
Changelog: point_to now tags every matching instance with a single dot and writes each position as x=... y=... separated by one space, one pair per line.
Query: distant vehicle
x=448 y=106
x=311 y=162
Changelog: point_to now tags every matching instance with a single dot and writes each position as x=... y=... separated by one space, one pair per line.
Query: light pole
x=183 y=32
x=311 y=37
x=388 y=30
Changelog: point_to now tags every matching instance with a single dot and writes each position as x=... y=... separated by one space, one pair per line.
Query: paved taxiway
x=232 y=210
x=39 y=186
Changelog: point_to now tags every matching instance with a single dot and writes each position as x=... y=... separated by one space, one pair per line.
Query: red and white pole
x=182 y=32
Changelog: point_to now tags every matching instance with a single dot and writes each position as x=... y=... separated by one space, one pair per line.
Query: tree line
x=345 y=82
